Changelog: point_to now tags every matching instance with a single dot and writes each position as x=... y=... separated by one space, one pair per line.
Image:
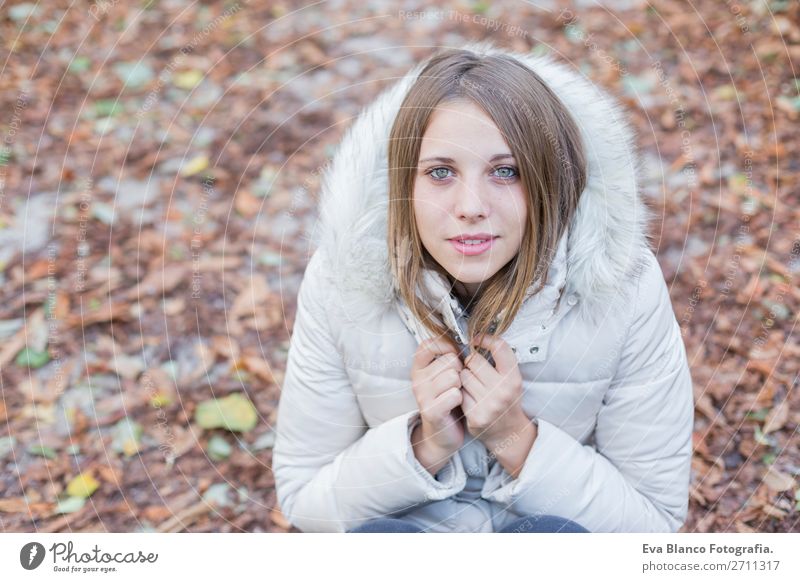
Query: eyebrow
x=494 y=158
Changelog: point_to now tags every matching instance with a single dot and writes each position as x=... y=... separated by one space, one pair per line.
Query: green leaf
x=234 y=412
x=107 y=107
x=759 y=415
x=103 y=212
x=763 y=439
x=218 y=448
x=82 y=486
x=217 y=495
x=133 y=74
x=22 y=11
x=264 y=441
x=188 y=80
x=79 y=64
x=42 y=451
x=7 y=445
x=127 y=436
x=70 y=504
x=481 y=7
x=32 y=358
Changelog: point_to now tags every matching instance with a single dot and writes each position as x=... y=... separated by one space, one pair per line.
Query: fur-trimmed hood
x=604 y=240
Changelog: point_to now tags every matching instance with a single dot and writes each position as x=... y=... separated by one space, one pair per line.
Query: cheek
x=428 y=209
x=516 y=214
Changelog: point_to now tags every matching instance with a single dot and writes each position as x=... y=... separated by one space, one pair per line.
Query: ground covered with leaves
x=159 y=171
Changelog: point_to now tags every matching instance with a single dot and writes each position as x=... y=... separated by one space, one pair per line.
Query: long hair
x=546 y=143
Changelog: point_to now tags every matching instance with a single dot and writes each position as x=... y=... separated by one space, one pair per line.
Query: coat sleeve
x=637 y=477
x=332 y=473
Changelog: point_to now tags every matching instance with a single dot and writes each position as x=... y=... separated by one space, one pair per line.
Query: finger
x=430 y=349
x=481 y=368
x=445 y=362
x=447 y=401
x=472 y=385
x=438 y=367
x=469 y=403
x=504 y=357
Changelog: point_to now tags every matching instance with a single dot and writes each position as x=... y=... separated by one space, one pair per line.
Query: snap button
x=534 y=349
x=544 y=327
x=572 y=300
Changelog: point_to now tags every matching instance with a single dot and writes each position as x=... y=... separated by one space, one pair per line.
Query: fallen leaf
x=255 y=293
x=188 y=79
x=194 y=166
x=258 y=366
x=778 y=481
x=70 y=504
x=42 y=451
x=218 y=448
x=217 y=495
x=234 y=412
x=32 y=359
x=127 y=435
x=160 y=281
x=246 y=204
x=82 y=486
x=777 y=417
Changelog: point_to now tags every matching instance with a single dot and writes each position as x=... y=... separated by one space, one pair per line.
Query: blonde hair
x=546 y=143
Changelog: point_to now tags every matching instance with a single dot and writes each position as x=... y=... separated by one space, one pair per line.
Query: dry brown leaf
x=773 y=511
x=38 y=270
x=777 y=417
x=742 y=527
x=106 y=312
x=31 y=388
x=109 y=474
x=219 y=264
x=184 y=518
x=250 y=298
x=226 y=346
x=778 y=481
x=20 y=505
x=160 y=281
x=156 y=513
x=12 y=346
x=258 y=366
x=246 y=204
x=205 y=356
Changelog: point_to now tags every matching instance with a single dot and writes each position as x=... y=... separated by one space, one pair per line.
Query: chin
x=471 y=277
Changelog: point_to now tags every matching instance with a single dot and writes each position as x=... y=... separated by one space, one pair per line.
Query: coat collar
x=605 y=238
x=529 y=332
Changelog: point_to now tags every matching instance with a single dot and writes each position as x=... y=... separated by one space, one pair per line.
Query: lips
x=466 y=245
x=473 y=236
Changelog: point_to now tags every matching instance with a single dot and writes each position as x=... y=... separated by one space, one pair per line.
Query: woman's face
x=468 y=187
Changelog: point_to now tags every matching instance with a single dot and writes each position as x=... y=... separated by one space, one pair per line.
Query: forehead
x=461 y=127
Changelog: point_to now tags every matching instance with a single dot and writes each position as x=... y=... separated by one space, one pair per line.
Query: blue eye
x=436 y=173
x=506 y=172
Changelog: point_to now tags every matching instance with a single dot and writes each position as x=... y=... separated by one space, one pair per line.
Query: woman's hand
x=493 y=396
x=436 y=385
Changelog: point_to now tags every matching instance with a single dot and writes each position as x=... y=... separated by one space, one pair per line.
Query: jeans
x=527 y=524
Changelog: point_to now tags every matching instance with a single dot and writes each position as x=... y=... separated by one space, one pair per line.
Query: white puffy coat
x=604 y=368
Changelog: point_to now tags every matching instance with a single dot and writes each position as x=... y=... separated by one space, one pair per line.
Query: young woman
x=484 y=340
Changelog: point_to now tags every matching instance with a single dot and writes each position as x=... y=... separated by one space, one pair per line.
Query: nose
x=470 y=202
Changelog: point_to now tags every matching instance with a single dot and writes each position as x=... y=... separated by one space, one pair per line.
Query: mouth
x=471 y=245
